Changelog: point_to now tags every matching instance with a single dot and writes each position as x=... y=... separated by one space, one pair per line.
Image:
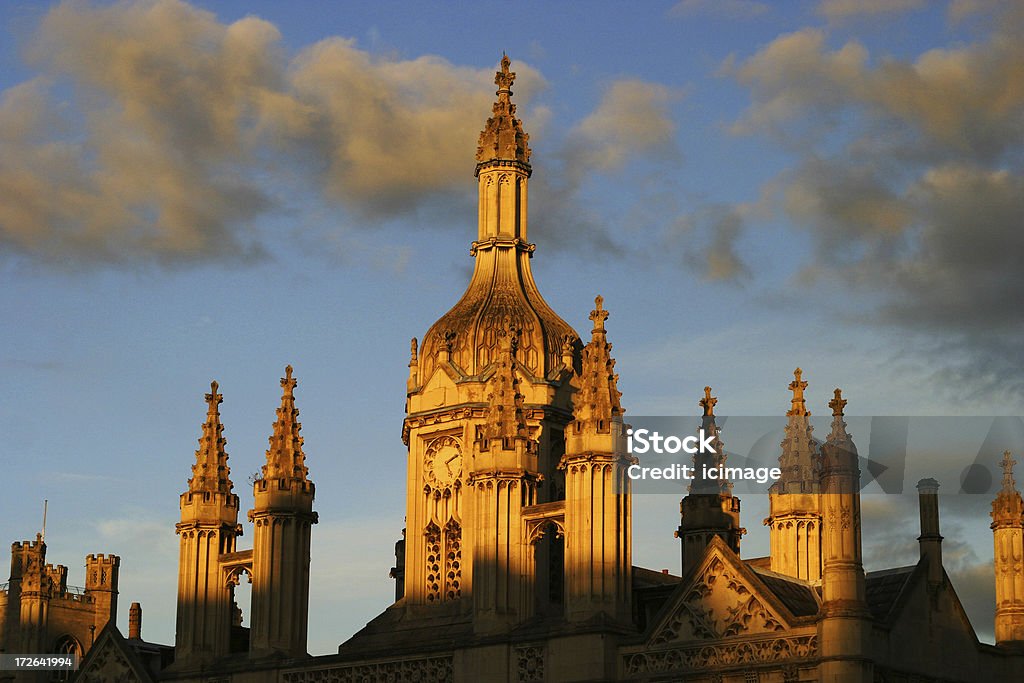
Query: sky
x=214 y=190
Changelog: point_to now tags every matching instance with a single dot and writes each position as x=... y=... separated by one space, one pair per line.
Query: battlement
x=102 y=558
x=101 y=572
x=38 y=544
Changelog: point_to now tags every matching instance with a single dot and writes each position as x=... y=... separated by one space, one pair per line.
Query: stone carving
x=722 y=655
x=108 y=665
x=426 y=670
x=433 y=535
x=718 y=605
x=453 y=561
x=530 y=664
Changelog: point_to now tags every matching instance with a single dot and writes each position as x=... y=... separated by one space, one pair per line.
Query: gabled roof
x=112 y=658
x=724 y=597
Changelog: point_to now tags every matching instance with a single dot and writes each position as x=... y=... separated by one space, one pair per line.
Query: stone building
x=516 y=563
x=40 y=612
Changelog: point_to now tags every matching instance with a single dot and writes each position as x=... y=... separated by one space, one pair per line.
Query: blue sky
x=214 y=190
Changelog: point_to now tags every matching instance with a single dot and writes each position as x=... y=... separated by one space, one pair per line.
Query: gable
x=722 y=598
x=439 y=390
x=111 y=659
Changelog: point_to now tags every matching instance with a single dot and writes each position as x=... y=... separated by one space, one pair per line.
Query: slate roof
x=883 y=589
x=798 y=597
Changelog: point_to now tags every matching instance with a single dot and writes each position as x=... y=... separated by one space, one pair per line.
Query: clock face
x=444 y=461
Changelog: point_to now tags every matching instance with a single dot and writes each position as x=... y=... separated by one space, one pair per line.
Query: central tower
x=489 y=397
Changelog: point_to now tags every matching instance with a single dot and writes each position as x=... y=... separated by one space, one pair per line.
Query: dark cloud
x=889 y=544
x=910 y=181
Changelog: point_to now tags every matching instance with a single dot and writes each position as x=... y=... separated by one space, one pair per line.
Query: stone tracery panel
x=724 y=655
x=426 y=670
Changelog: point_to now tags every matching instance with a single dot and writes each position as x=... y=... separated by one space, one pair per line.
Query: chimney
x=135 y=622
x=930 y=539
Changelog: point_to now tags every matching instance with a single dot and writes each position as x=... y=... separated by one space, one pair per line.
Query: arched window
x=66 y=645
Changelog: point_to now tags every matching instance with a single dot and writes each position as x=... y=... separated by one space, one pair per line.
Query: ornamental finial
x=797 y=386
x=213 y=399
x=503 y=137
x=599 y=315
x=838 y=403
x=504 y=78
x=708 y=403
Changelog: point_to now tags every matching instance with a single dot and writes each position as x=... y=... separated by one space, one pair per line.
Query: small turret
x=794 y=509
x=1008 y=536
x=844 y=629
x=598 y=552
x=208 y=528
x=283 y=517
x=709 y=509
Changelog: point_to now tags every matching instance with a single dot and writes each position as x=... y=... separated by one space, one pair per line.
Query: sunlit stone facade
x=516 y=560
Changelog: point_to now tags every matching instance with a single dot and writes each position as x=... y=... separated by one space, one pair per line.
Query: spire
x=1007 y=463
x=702 y=460
x=285 y=459
x=838 y=435
x=505 y=417
x=502 y=137
x=210 y=473
x=800 y=461
x=1008 y=507
x=838 y=453
x=597 y=398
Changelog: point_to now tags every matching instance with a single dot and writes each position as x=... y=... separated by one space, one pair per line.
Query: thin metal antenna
x=43 y=535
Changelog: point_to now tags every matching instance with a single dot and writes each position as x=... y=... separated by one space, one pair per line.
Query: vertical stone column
x=845 y=625
x=1008 y=537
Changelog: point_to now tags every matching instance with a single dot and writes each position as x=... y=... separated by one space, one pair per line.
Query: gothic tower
x=208 y=529
x=794 y=517
x=27 y=595
x=709 y=508
x=488 y=400
x=283 y=517
x=844 y=629
x=1008 y=534
x=598 y=531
